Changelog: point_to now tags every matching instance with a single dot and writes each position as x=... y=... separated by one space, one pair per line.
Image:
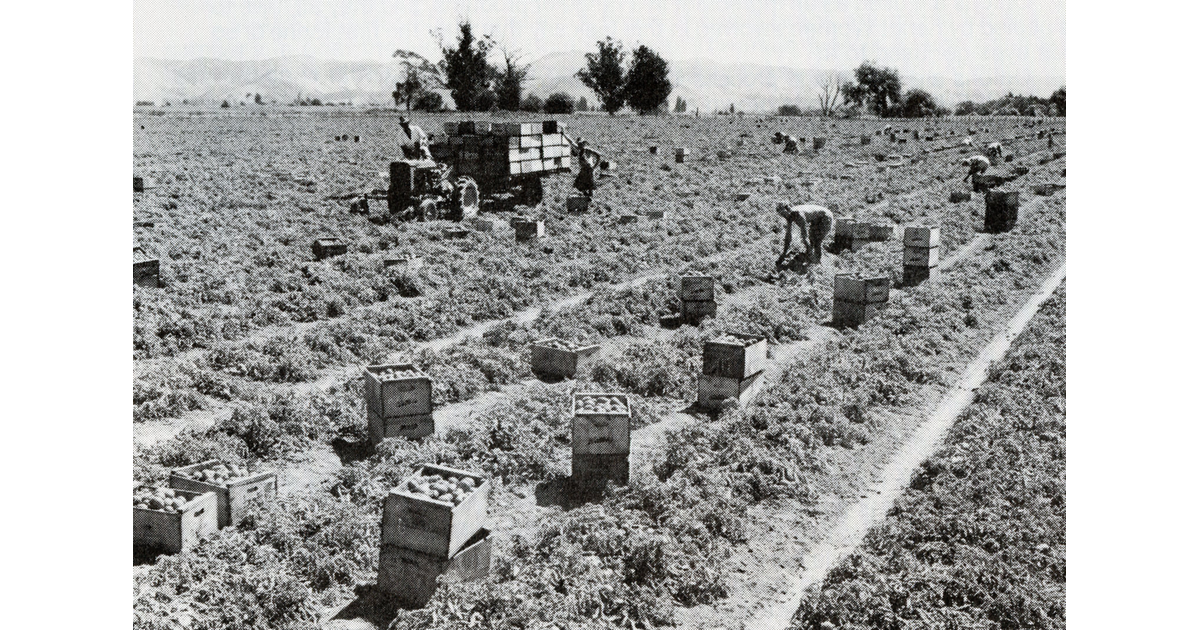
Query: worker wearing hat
x=975 y=165
x=414 y=143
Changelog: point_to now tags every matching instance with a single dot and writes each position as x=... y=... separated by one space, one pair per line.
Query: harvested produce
x=395 y=374
x=220 y=474
x=556 y=344
x=736 y=341
x=601 y=404
x=160 y=499
x=447 y=489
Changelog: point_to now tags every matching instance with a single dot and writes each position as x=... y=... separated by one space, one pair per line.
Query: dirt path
x=780 y=589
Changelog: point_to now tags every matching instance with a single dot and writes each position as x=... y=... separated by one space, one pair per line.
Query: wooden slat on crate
x=916 y=275
x=595 y=471
x=437 y=528
x=696 y=288
x=695 y=310
x=411 y=427
x=854 y=288
x=920 y=256
x=846 y=313
x=715 y=391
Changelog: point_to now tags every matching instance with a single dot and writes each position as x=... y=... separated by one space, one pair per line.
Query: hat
x=403 y=119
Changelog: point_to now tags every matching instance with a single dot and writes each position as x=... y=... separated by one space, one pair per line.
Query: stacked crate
x=399 y=402
x=920 y=254
x=174 y=530
x=1003 y=209
x=492 y=152
x=433 y=525
x=733 y=365
x=234 y=494
x=854 y=235
x=600 y=439
x=857 y=300
x=526 y=229
x=681 y=154
x=555 y=357
x=696 y=293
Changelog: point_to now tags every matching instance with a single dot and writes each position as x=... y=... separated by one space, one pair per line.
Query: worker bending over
x=995 y=150
x=815 y=223
x=975 y=165
x=789 y=145
x=414 y=143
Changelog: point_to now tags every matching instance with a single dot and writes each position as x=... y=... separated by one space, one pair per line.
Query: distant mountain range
x=703 y=83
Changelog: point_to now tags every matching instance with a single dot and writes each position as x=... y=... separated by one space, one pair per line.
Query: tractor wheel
x=427 y=210
x=464 y=203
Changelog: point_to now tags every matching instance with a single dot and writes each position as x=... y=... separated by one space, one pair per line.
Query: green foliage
x=531 y=104
x=875 y=86
x=605 y=74
x=647 y=87
x=789 y=110
x=468 y=75
x=582 y=104
x=560 y=103
x=1059 y=100
x=509 y=81
x=919 y=104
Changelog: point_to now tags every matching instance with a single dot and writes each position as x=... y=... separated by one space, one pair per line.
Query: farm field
x=252 y=353
x=979 y=538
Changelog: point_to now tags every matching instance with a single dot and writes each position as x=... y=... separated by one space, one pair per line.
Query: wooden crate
x=1003 y=210
x=818 y=143
x=532 y=140
x=854 y=288
x=138 y=184
x=713 y=392
x=735 y=360
x=959 y=196
x=880 y=233
x=174 y=532
x=696 y=288
x=916 y=275
x=920 y=256
x=451 y=128
x=595 y=471
x=145 y=274
x=412 y=427
x=599 y=433
x=550 y=361
x=550 y=126
x=401 y=397
x=861 y=231
x=455 y=233
x=655 y=214
x=681 y=154
x=529 y=230
x=846 y=313
x=410 y=577
x=328 y=247
x=436 y=528
x=577 y=203
x=695 y=310
x=234 y=497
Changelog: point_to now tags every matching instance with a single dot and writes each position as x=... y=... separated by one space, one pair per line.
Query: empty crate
x=328 y=247
x=853 y=288
x=414 y=520
x=528 y=229
x=234 y=495
x=410 y=576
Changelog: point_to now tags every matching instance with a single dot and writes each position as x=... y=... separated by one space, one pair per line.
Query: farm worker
x=814 y=221
x=977 y=164
x=413 y=142
x=1050 y=142
x=778 y=139
x=995 y=150
x=589 y=159
x=789 y=145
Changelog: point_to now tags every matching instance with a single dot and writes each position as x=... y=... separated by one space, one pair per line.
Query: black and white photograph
x=558 y=315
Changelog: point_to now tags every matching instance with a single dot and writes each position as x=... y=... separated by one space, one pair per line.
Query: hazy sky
x=952 y=38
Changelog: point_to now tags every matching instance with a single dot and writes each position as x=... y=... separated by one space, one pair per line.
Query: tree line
x=878 y=90
x=477 y=83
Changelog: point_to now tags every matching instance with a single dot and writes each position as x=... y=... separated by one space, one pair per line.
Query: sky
x=959 y=39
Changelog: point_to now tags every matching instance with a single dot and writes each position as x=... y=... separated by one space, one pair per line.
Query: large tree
x=559 y=103
x=418 y=76
x=647 y=87
x=877 y=87
x=919 y=104
x=605 y=74
x=510 y=79
x=1059 y=100
x=468 y=74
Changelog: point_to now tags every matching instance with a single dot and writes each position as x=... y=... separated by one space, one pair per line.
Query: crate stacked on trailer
x=170 y=520
x=236 y=487
x=697 y=295
x=857 y=300
x=556 y=358
x=507 y=157
x=434 y=524
x=399 y=401
x=732 y=369
x=921 y=245
x=600 y=439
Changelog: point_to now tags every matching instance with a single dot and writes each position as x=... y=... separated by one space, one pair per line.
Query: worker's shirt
x=415 y=143
x=813 y=212
x=978 y=163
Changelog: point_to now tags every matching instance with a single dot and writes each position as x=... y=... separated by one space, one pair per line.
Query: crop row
x=979 y=538
x=644 y=550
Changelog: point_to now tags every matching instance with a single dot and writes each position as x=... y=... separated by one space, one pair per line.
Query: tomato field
x=252 y=353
